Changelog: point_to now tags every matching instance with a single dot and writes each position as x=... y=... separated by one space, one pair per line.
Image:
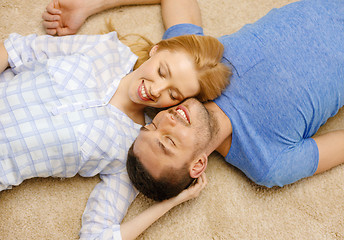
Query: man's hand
x=191 y=192
x=65 y=17
x=133 y=228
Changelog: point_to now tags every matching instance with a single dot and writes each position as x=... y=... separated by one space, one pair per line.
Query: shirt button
x=54 y=111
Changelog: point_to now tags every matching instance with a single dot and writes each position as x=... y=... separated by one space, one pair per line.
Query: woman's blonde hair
x=205 y=51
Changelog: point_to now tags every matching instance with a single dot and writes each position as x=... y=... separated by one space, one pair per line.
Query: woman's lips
x=142 y=92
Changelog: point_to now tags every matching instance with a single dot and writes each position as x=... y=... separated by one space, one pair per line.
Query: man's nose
x=169 y=119
x=157 y=88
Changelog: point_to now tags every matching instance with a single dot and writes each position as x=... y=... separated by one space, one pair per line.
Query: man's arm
x=107 y=206
x=331 y=150
x=109 y=201
x=65 y=17
x=3 y=58
x=133 y=228
x=180 y=11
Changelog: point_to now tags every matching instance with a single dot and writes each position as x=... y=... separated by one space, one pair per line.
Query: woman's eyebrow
x=168 y=70
x=181 y=95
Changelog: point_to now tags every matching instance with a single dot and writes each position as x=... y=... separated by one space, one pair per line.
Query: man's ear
x=153 y=50
x=198 y=166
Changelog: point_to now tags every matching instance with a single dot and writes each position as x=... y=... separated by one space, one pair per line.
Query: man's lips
x=183 y=112
x=142 y=92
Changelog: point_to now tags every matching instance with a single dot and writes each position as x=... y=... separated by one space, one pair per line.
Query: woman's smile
x=143 y=93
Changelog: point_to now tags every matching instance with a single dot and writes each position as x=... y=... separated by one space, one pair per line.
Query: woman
x=71 y=105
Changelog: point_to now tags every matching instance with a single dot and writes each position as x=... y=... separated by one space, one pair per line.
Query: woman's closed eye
x=173 y=95
x=161 y=73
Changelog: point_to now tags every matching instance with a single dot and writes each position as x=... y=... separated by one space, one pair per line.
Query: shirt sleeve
x=183 y=29
x=296 y=162
x=107 y=206
x=25 y=49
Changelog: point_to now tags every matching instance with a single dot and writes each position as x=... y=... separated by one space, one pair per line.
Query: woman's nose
x=157 y=89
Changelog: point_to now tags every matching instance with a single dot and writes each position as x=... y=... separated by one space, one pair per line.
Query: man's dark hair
x=170 y=184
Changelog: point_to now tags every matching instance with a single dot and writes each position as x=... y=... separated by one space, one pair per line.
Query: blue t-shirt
x=288 y=79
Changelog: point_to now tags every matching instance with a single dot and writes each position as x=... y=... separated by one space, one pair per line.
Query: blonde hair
x=138 y=44
x=206 y=52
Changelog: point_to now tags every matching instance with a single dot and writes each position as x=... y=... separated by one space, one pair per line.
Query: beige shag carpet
x=231 y=207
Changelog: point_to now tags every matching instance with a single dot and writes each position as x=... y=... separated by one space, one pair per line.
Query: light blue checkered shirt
x=56 y=120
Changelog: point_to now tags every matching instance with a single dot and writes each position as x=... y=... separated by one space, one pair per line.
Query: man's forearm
x=180 y=11
x=96 y=6
x=173 y=11
x=3 y=58
x=133 y=228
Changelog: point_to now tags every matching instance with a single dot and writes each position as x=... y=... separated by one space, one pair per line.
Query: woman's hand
x=3 y=58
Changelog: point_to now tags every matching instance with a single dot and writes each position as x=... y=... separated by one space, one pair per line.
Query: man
x=172 y=151
x=288 y=79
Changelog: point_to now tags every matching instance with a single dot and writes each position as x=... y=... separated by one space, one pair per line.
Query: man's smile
x=183 y=113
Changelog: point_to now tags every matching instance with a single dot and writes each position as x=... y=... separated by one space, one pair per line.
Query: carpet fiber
x=231 y=206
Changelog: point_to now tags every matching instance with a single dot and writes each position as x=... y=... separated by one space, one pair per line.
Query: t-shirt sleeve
x=296 y=162
x=183 y=29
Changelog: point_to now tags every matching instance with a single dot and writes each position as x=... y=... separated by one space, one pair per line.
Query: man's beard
x=209 y=130
x=214 y=125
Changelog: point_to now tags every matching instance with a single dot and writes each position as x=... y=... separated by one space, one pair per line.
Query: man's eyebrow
x=161 y=146
x=143 y=128
x=167 y=151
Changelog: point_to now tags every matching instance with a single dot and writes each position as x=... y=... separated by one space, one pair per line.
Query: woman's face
x=164 y=80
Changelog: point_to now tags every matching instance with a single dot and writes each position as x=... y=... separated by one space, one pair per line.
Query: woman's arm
x=65 y=17
x=133 y=228
x=24 y=49
x=3 y=58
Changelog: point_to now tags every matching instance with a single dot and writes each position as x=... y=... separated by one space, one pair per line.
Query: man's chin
x=193 y=103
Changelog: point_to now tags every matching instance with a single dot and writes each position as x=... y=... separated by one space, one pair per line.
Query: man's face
x=174 y=138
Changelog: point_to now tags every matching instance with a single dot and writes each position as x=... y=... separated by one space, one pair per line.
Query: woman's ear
x=153 y=50
x=198 y=166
